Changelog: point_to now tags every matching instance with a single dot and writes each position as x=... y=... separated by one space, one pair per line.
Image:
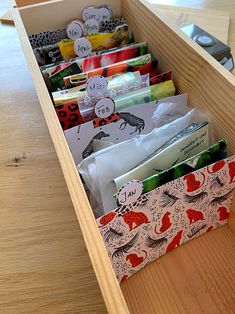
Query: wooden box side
x=22 y=3
x=109 y=286
x=52 y=15
x=211 y=88
x=111 y=291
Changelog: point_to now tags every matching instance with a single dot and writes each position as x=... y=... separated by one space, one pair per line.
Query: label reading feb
x=104 y=107
x=129 y=193
x=82 y=47
x=97 y=86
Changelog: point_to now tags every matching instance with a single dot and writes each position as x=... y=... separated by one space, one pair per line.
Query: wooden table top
x=228 y=6
x=44 y=265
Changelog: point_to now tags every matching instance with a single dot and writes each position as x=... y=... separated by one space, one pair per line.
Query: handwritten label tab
x=105 y=14
x=129 y=193
x=97 y=85
x=104 y=107
x=92 y=26
x=82 y=47
x=90 y=13
x=75 y=30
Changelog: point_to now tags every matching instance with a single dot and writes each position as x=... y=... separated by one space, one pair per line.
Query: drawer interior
x=188 y=279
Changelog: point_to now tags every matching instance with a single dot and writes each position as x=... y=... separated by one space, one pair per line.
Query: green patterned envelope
x=209 y=156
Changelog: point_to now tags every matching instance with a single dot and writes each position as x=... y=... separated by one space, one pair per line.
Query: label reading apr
x=104 y=107
x=129 y=193
x=82 y=47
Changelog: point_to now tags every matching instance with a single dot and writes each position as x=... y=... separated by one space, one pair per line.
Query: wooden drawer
x=198 y=276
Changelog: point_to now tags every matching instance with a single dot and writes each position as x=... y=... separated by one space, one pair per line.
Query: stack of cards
x=144 y=155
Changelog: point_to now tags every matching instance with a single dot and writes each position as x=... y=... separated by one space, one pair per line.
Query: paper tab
x=75 y=30
x=82 y=47
x=90 y=13
x=97 y=85
x=92 y=26
x=129 y=193
x=104 y=107
x=105 y=14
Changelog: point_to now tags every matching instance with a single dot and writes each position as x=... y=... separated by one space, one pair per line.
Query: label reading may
x=75 y=30
x=104 y=107
x=82 y=47
x=129 y=193
x=97 y=85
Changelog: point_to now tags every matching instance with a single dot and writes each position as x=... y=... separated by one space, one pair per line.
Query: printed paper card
x=168 y=217
x=125 y=125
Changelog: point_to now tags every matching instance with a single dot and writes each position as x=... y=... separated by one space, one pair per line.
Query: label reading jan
x=129 y=193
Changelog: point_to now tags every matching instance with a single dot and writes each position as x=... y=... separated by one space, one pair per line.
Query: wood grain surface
x=60 y=13
x=225 y=5
x=21 y=3
x=198 y=277
x=109 y=286
x=210 y=86
x=6 y=18
x=215 y=22
x=44 y=264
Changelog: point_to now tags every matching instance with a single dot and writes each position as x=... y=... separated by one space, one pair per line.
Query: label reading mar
x=104 y=107
x=129 y=193
x=97 y=86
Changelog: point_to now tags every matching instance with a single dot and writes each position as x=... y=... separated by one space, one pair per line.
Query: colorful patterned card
x=66 y=102
x=64 y=50
x=97 y=42
x=211 y=155
x=54 y=36
x=144 y=64
x=134 y=119
x=57 y=73
x=168 y=217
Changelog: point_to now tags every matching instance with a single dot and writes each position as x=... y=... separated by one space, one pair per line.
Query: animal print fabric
x=54 y=36
x=110 y=26
x=47 y=38
x=168 y=217
x=69 y=115
x=98 y=122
